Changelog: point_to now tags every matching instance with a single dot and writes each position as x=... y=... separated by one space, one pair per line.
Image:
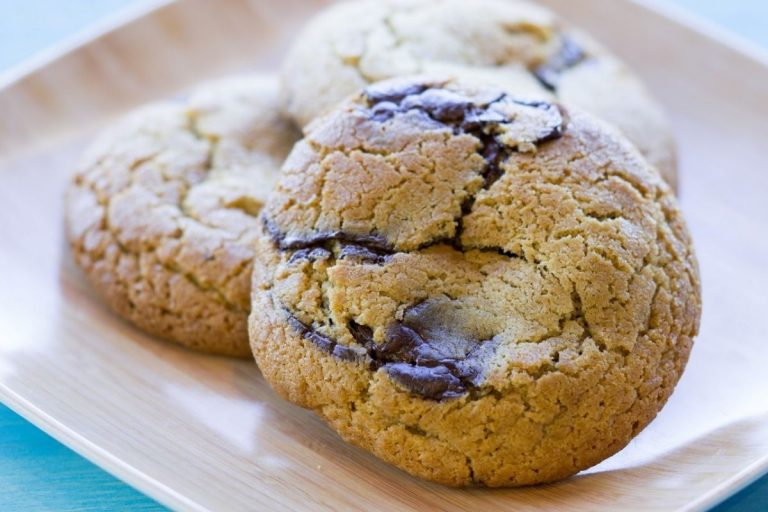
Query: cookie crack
x=447 y=379
x=463 y=115
x=174 y=269
x=212 y=290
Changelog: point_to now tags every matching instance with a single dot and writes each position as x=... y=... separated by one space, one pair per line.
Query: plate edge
x=71 y=44
x=730 y=487
x=156 y=489
x=706 y=28
x=95 y=454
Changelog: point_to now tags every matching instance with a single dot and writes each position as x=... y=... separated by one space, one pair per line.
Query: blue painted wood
x=752 y=499
x=36 y=472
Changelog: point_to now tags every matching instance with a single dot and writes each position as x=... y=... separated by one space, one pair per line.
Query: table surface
x=38 y=473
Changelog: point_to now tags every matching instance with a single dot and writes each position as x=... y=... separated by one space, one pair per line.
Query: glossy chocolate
x=324 y=342
x=425 y=352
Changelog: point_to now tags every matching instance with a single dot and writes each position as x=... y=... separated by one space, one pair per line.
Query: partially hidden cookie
x=475 y=288
x=161 y=213
x=521 y=47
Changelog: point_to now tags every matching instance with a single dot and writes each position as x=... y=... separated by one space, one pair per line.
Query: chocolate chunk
x=292 y=242
x=441 y=104
x=439 y=336
x=401 y=343
x=404 y=343
x=346 y=353
x=273 y=230
x=447 y=330
x=324 y=342
x=311 y=254
x=362 y=333
x=472 y=368
x=476 y=119
x=568 y=55
x=391 y=91
x=436 y=383
x=363 y=254
x=384 y=111
x=374 y=243
x=308 y=333
x=433 y=334
x=433 y=351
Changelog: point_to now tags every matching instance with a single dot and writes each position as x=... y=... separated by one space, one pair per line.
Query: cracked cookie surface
x=515 y=45
x=161 y=212
x=499 y=332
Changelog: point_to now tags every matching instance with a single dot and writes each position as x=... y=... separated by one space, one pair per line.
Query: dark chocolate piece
x=362 y=333
x=323 y=342
x=308 y=333
x=568 y=55
x=440 y=104
x=290 y=242
x=475 y=119
x=437 y=382
x=363 y=254
x=401 y=343
x=384 y=111
x=311 y=254
x=434 y=335
x=431 y=351
x=374 y=243
x=391 y=91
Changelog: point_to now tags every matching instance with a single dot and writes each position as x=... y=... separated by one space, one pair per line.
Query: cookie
x=477 y=289
x=161 y=213
x=521 y=47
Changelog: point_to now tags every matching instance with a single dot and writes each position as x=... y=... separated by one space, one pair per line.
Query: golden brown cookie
x=162 y=209
x=521 y=47
x=475 y=288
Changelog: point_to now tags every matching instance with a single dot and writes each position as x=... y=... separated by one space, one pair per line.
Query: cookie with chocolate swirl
x=479 y=289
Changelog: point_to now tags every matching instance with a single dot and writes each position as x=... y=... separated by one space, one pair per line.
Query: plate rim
x=144 y=9
x=73 y=43
x=113 y=465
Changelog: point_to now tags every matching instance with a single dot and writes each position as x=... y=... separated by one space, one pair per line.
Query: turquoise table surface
x=39 y=474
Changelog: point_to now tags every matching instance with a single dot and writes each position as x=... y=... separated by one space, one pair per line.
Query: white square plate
x=201 y=433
